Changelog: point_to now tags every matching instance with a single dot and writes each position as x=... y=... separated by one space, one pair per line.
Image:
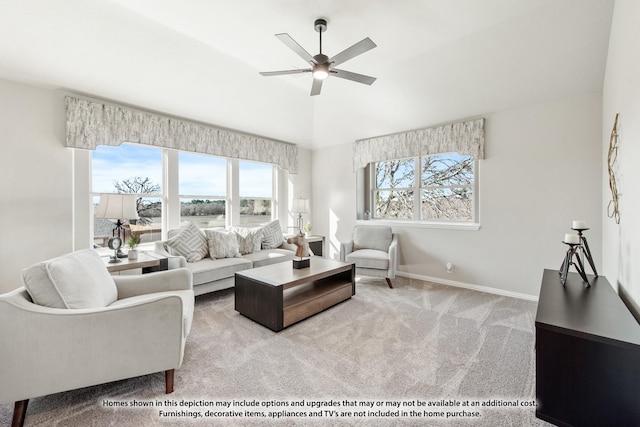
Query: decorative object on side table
x=118 y=207
x=133 y=243
x=300 y=206
x=115 y=243
x=302 y=251
x=307 y=229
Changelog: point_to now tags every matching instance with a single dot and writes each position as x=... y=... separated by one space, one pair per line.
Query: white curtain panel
x=463 y=137
x=91 y=123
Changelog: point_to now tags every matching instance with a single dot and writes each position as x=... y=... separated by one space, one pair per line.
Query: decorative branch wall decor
x=612 y=208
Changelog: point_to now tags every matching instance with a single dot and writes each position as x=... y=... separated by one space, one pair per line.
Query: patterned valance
x=90 y=124
x=464 y=137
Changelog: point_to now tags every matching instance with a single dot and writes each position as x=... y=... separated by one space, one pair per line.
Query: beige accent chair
x=74 y=325
x=374 y=250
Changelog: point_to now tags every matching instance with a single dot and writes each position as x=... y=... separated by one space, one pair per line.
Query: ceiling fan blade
x=281 y=73
x=360 y=78
x=316 y=86
x=361 y=47
x=294 y=46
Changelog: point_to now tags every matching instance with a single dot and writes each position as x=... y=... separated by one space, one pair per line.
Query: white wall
x=44 y=211
x=36 y=176
x=541 y=171
x=621 y=250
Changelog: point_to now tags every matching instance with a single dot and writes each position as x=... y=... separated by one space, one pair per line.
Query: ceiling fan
x=321 y=64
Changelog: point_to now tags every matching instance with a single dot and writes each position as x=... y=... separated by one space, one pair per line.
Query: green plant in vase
x=133 y=242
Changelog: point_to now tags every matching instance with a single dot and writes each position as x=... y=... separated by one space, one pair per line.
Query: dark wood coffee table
x=277 y=295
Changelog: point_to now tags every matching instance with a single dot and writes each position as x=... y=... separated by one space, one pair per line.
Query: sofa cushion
x=249 y=239
x=208 y=270
x=369 y=258
x=272 y=236
x=269 y=256
x=372 y=237
x=76 y=280
x=222 y=244
x=190 y=242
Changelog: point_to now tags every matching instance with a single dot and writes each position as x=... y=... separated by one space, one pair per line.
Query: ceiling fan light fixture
x=321 y=72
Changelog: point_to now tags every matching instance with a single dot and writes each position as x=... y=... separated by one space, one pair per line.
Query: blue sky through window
x=199 y=174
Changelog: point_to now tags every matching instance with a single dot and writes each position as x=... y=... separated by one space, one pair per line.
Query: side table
x=147 y=261
x=316 y=244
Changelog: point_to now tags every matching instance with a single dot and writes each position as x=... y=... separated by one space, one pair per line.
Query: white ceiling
x=436 y=61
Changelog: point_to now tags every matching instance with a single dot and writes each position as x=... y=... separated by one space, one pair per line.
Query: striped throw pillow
x=190 y=242
x=272 y=236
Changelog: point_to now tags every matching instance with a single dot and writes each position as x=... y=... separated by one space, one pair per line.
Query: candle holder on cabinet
x=568 y=261
x=584 y=249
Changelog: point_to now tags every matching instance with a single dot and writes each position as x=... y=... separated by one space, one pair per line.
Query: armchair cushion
x=372 y=237
x=76 y=280
x=369 y=258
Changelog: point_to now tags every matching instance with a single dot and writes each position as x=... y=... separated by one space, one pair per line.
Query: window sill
x=421 y=224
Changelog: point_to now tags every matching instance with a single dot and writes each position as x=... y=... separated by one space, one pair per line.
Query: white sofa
x=211 y=274
x=74 y=325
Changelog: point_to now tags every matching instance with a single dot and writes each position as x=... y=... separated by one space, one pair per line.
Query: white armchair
x=374 y=250
x=73 y=325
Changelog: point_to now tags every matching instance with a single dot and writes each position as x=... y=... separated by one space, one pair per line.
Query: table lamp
x=300 y=206
x=118 y=207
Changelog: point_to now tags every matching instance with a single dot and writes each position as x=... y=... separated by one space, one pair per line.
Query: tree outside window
x=445 y=188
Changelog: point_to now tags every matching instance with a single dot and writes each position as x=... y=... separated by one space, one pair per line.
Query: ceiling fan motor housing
x=320 y=25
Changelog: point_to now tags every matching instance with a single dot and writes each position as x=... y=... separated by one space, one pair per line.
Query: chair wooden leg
x=389 y=282
x=168 y=378
x=19 y=412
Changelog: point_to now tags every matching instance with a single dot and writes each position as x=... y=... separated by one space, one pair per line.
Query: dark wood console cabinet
x=587 y=354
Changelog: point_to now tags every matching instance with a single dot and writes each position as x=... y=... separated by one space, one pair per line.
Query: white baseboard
x=468 y=286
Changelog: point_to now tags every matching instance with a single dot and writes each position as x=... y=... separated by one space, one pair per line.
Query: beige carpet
x=415 y=345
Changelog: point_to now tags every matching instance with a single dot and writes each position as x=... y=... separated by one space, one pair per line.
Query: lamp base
x=301 y=263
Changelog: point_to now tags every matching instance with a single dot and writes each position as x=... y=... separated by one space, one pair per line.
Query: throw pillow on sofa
x=222 y=244
x=249 y=239
x=190 y=242
x=272 y=236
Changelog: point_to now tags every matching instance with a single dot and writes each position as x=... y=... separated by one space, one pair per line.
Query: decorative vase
x=133 y=254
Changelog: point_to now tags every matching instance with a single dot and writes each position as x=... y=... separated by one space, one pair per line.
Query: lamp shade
x=117 y=206
x=300 y=206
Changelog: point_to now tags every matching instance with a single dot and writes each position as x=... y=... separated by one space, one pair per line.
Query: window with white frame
x=203 y=182
x=131 y=169
x=436 y=188
x=203 y=190
x=256 y=192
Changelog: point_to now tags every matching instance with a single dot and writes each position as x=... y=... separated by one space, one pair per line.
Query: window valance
x=464 y=137
x=90 y=124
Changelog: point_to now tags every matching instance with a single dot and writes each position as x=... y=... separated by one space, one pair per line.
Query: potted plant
x=307 y=229
x=133 y=243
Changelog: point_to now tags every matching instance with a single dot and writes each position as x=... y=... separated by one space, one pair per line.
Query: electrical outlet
x=449 y=268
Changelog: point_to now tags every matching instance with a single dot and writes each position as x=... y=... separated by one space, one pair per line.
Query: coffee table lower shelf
x=278 y=305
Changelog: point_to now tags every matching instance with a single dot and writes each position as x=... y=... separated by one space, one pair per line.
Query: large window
x=256 y=192
x=203 y=190
x=204 y=184
x=131 y=169
x=444 y=190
